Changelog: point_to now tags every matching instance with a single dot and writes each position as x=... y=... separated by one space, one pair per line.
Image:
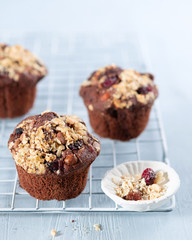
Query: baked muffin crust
x=52 y=143
x=15 y=61
x=118 y=101
x=120 y=88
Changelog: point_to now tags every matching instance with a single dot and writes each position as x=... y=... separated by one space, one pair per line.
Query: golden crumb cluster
x=15 y=60
x=37 y=146
x=129 y=86
x=136 y=183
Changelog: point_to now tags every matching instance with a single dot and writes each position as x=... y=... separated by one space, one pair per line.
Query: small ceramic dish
x=137 y=167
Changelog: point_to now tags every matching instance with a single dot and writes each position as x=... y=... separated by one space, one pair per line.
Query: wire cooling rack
x=70 y=59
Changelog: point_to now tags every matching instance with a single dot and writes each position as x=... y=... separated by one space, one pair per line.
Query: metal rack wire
x=70 y=59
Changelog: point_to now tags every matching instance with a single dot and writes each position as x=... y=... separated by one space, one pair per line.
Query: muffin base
x=51 y=186
x=16 y=100
x=120 y=124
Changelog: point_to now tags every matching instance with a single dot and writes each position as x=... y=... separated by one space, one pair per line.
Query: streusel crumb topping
x=136 y=188
x=15 y=60
x=123 y=87
x=39 y=142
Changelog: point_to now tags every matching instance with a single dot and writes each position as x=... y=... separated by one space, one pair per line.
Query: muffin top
x=113 y=86
x=51 y=143
x=15 y=61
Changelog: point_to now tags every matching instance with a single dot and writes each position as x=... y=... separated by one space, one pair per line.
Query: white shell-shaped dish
x=137 y=167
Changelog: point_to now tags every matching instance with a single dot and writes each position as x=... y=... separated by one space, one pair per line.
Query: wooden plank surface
x=166 y=28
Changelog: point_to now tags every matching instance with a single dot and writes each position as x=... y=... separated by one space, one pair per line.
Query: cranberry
x=144 y=90
x=109 y=81
x=135 y=196
x=149 y=176
x=18 y=132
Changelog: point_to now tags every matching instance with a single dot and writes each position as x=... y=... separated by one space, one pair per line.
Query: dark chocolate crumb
x=18 y=132
x=53 y=166
x=144 y=90
x=76 y=145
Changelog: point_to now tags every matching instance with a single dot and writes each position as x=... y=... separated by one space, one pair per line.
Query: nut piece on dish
x=53 y=154
x=141 y=185
x=119 y=101
x=20 y=71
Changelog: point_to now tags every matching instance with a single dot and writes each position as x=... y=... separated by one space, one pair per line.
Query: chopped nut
x=135 y=188
x=85 y=139
x=35 y=148
x=105 y=96
x=11 y=144
x=15 y=60
x=123 y=85
x=16 y=144
x=90 y=106
x=159 y=179
x=46 y=111
x=61 y=138
x=71 y=159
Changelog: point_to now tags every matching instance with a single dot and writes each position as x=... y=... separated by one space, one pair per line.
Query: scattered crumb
x=97 y=227
x=53 y=232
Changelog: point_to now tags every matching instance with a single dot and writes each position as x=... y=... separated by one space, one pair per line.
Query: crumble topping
x=37 y=146
x=123 y=87
x=15 y=60
x=135 y=187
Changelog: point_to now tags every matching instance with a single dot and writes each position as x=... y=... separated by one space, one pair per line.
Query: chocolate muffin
x=20 y=71
x=118 y=101
x=53 y=154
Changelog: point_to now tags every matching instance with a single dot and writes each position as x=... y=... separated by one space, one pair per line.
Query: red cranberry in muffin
x=119 y=101
x=53 y=154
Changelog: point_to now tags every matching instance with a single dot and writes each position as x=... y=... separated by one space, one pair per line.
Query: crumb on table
x=97 y=227
x=53 y=232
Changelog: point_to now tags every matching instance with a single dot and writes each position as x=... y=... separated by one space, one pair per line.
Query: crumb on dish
x=147 y=186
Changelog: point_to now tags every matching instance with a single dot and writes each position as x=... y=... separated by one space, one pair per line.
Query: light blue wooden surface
x=168 y=32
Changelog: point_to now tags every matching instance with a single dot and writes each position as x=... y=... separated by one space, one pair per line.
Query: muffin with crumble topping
x=53 y=154
x=119 y=101
x=20 y=71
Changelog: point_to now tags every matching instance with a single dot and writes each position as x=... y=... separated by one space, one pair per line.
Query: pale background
x=167 y=27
